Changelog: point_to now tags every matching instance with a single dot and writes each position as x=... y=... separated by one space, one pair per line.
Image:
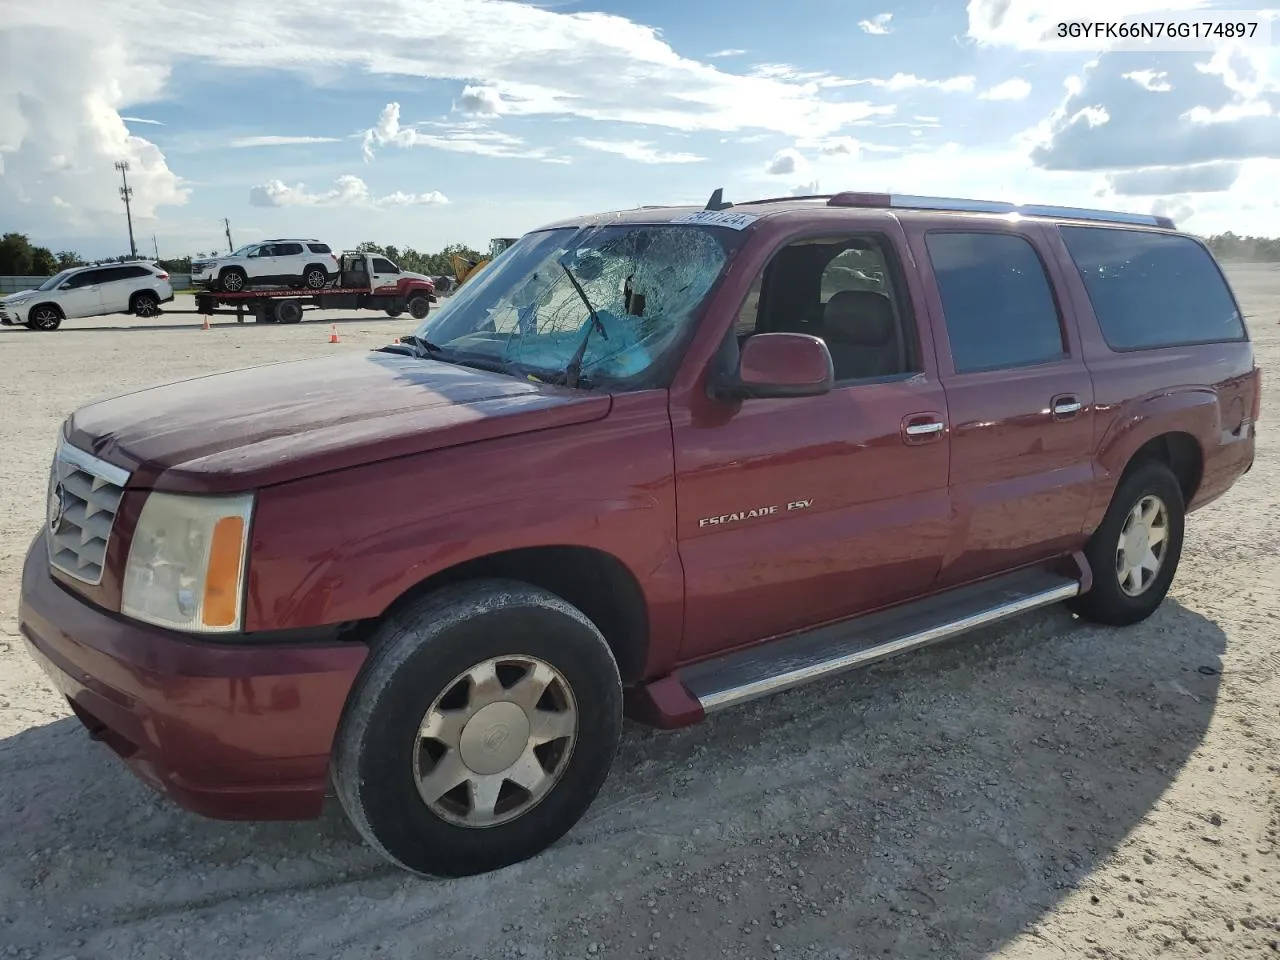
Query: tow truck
x=367 y=281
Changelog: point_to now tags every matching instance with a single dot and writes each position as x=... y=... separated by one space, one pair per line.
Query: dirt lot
x=1038 y=791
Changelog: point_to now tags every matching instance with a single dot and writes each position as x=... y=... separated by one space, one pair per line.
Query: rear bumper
x=231 y=731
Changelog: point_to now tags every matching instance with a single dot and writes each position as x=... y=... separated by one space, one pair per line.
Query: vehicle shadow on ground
x=936 y=805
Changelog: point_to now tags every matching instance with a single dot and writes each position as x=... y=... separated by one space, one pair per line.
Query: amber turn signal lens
x=221 y=585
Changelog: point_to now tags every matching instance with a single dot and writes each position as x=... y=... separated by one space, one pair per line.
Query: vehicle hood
x=19 y=296
x=270 y=424
x=417 y=276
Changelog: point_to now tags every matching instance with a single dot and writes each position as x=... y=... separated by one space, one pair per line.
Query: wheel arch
x=133 y=297
x=46 y=303
x=594 y=581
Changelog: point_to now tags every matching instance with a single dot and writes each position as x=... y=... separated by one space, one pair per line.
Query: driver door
x=385 y=274
x=260 y=265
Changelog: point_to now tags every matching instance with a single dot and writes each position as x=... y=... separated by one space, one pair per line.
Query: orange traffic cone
x=205 y=325
x=333 y=333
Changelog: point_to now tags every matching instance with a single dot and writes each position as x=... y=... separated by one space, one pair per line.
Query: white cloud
x=1161 y=181
x=347 y=191
x=810 y=189
x=484 y=101
x=637 y=150
x=1219 y=109
x=901 y=81
x=786 y=163
x=1150 y=79
x=61 y=131
x=154 y=123
x=722 y=54
x=275 y=141
x=541 y=62
x=878 y=25
x=1014 y=89
x=465 y=137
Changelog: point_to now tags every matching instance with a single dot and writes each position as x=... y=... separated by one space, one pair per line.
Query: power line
x=126 y=194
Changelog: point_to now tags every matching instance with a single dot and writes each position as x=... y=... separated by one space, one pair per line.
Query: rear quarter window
x=1153 y=290
x=319 y=248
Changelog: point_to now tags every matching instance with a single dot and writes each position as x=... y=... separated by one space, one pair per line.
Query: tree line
x=20 y=258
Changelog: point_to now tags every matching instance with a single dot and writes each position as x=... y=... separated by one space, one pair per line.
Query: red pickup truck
x=658 y=462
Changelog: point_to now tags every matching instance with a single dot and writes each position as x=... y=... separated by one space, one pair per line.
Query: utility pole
x=126 y=193
x=155 y=246
x=230 y=246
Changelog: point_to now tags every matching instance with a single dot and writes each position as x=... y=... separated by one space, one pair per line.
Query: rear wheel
x=419 y=307
x=394 y=311
x=232 y=279
x=315 y=277
x=1134 y=552
x=288 y=311
x=144 y=305
x=480 y=730
x=45 y=317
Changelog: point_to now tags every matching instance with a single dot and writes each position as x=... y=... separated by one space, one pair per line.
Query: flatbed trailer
x=359 y=287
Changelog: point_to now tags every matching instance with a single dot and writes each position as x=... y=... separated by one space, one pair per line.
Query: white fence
x=8 y=285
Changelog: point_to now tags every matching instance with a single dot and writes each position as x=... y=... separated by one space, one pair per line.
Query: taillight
x=1257 y=395
x=163 y=276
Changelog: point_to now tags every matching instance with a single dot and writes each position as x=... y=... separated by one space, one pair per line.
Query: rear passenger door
x=1019 y=395
x=118 y=284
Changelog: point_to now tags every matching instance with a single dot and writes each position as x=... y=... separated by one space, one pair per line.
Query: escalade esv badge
x=753 y=513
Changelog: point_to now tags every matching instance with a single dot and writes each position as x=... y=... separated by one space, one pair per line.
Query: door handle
x=922 y=428
x=1065 y=407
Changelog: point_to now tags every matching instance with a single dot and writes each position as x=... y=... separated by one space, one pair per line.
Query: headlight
x=187 y=562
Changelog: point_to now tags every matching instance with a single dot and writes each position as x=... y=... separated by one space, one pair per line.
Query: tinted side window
x=288 y=249
x=384 y=266
x=126 y=273
x=319 y=248
x=86 y=279
x=266 y=250
x=1152 y=289
x=997 y=300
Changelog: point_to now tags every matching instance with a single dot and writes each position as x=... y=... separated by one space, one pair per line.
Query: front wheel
x=1134 y=552
x=480 y=730
x=232 y=280
x=47 y=318
x=419 y=307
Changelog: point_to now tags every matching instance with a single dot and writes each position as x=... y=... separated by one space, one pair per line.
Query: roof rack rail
x=910 y=202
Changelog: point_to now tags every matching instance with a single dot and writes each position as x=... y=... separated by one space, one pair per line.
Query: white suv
x=137 y=288
x=278 y=263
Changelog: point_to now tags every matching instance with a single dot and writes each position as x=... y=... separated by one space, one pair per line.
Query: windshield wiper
x=420 y=347
x=573 y=371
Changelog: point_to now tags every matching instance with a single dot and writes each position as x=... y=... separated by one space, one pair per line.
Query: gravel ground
x=1042 y=790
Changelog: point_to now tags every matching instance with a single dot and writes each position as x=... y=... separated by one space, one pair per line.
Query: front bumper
x=231 y=731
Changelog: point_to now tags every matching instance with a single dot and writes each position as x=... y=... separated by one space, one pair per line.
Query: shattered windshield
x=531 y=308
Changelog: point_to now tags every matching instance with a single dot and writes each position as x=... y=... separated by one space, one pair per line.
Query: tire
x=419 y=662
x=315 y=277
x=419 y=307
x=145 y=304
x=1148 y=485
x=394 y=312
x=233 y=279
x=288 y=311
x=45 y=316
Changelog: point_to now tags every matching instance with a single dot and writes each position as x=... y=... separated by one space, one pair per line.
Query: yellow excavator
x=464 y=268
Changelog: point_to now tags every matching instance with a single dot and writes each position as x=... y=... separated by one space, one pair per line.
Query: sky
x=426 y=122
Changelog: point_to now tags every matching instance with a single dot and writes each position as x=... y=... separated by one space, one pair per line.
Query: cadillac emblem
x=57 y=507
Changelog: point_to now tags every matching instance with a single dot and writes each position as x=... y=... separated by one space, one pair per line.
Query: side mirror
x=65 y=285
x=780 y=365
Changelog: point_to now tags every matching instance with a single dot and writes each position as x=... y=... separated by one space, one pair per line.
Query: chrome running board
x=800 y=658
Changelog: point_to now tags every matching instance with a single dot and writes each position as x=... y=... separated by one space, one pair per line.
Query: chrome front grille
x=84 y=496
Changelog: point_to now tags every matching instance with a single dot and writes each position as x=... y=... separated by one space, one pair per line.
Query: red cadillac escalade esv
x=658 y=462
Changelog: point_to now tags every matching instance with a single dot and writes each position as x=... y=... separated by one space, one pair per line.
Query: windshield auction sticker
x=718 y=218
